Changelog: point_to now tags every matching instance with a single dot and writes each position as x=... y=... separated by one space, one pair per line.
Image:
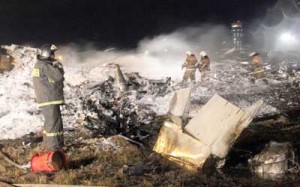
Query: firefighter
x=191 y=64
x=256 y=63
x=48 y=78
x=204 y=66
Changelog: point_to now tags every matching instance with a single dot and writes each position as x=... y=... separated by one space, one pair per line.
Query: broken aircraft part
x=218 y=124
x=120 y=82
x=108 y=113
x=211 y=132
x=180 y=107
x=178 y=146
x=141 y=84
x=274 y=161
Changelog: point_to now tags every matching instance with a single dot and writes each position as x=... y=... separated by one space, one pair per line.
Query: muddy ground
x=128 y=164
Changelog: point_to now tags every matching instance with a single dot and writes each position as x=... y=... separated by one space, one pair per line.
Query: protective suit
x=204 y=68
x=257 y=68
x=48 y=78
x=191 y=65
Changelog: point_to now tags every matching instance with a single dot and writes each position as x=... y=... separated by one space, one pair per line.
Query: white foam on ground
x=19 y=113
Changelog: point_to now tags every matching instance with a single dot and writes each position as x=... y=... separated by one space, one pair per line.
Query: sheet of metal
x=213 y=119
x=180 y=106
x=120 y=81
x=226 y=139
x=219 y=123
x=272 y=162
x=180 y=147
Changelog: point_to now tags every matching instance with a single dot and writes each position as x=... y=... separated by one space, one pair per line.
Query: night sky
x=115 y=22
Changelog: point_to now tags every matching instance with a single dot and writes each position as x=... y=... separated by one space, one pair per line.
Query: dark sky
x=115 y=22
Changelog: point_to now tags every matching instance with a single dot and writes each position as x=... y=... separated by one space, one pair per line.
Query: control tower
x=237 y=33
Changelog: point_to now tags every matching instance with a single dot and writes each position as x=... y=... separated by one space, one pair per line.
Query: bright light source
x=60 y=58
x=287 y=38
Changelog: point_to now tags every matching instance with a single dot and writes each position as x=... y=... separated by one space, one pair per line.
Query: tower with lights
x=237 y=33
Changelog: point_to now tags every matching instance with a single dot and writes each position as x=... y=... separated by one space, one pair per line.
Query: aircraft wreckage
x=203 y=120
x=211 y=132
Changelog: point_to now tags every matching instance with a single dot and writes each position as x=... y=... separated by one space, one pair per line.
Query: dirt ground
x=122 y=163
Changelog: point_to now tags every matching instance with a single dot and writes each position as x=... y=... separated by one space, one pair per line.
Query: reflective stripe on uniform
x=255 y=72
x=53 y=133
x=50 y=80
x=35 y=72
x=50 y=103
x=259 y=71
x=191 y=68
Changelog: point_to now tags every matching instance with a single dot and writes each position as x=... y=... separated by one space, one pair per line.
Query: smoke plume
x=156 y=57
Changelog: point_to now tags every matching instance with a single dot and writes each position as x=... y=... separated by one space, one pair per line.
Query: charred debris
x=113 y=107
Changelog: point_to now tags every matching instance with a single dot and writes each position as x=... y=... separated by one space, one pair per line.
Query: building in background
x=237 y=34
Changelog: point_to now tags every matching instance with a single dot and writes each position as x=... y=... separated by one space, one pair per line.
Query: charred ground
x=121 y=163
x=111 y=143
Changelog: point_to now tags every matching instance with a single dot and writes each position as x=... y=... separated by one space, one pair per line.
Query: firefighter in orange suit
x=204 y=67
x=48 y=78
x=191 y=65
x=256 y=63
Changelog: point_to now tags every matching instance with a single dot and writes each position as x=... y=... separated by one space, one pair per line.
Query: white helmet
x=188 y=52
x=252 y=54
x=203 y=53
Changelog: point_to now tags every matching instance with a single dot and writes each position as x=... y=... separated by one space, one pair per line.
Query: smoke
x=157 y=57
x=280 y=28
x=88 y=56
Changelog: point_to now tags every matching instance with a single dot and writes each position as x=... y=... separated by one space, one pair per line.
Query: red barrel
x=49 y=161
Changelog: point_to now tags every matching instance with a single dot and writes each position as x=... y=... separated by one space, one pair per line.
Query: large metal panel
x=227 y=138
x=219 y=123
x=180 y=147
x=213 y=119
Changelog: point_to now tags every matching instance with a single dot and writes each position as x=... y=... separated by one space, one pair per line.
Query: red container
x=50 y=161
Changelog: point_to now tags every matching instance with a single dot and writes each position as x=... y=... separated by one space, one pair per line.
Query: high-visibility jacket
x=48 y=83
x=257 y=68
x=190 y=63
x=205 y=64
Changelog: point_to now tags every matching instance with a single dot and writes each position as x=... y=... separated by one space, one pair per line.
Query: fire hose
x=23 y=167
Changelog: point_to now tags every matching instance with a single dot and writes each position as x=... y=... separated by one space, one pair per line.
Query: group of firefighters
x=48 y=83
x=192 y=64
x=203 y=65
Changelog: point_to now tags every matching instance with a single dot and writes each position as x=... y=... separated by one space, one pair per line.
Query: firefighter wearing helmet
x=256 y=63
x=191 y=64
x=204 y=66
x=48 y=78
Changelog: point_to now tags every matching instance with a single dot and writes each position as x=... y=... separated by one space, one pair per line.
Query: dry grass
x=90 y=164
x=86 y=164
